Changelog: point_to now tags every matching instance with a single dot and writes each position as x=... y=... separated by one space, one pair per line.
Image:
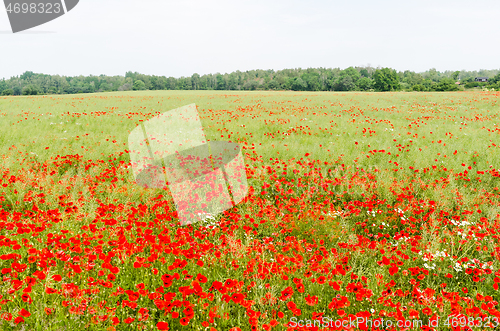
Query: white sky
x=178 y=38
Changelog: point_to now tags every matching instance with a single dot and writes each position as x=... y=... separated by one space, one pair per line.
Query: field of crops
x=365 y=211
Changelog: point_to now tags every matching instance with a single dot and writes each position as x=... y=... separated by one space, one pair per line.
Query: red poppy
x=26 y=298
x=23 y=312
x=237 y=297
x=286 y=294
x=427 y=311
x=393 y=270
x=201 y=278
x=162 y=326
x=7 y=316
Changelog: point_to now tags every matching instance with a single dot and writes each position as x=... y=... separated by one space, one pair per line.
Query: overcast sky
x=179 y=38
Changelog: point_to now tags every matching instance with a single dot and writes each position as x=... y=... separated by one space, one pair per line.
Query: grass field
x=370 y=207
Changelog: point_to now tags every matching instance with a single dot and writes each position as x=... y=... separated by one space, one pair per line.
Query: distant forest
x=312 y=79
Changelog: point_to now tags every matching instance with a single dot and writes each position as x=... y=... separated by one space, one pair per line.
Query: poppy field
x=365 y=211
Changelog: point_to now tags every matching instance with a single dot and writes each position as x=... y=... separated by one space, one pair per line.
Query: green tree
x=139 y=85
x=251 y=85
x=386 y=79
x=298 y=84
x=171 y=83
x=195 y=81
x=17 y=90
x=27 y=75
x=104 y=87
x=221 y=82
x=273 y=85
x=365 y=83
x=345 y=83
x=8 y=91
x=3 y=85
x=411 y=78
x=347 y=80
x=30 y=90
x=428 y=85
x=364 y=73
x=232 y=82
x=446 y=84
x=432 y=74
x=495 y=79
x=312 y=81
x=418 y=88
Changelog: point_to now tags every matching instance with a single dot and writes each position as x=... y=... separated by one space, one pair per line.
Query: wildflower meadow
x=365 y=211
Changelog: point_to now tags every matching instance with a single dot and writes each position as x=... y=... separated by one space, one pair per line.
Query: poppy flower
x=393 y=270
x=237 y=297
x=26 y=298
x=286 y=294
x=23 y=312
x=162 y=326
x=427 y=311
x=311 y=300
x=7 y=316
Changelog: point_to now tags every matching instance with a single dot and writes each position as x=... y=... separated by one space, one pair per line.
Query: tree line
x=311 y=79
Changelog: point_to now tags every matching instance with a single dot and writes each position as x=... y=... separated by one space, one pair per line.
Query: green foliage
x=446 y=84
x=30 y=90
x=27 y=75
x=310 y=79
x=3 y=85
x=432 y=75
x=251 y=85
x=298 y=84
x=419 y=88
x=495 y=79
x=273 y=85
x=8 y=91
x=412 y=78
x=347 y=80
x=474 y=84
x=365 y=83
x=221 y=84
x=139 y=85
x=386 y=79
